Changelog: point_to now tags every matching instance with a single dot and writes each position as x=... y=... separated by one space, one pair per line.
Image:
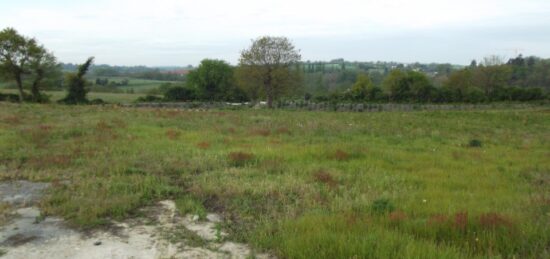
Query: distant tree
x=460 y=82
x=266 y=68
x=393 y=87
x=420 y=86
x=213 y=80
x=77 y=84
x=14 y=57
x=359 y=90
x=492 y=78
x=22 y=57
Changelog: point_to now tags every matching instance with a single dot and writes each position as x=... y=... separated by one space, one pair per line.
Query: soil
x=163 y=233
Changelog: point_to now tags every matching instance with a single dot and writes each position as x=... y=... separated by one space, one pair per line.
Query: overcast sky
x=181 y=32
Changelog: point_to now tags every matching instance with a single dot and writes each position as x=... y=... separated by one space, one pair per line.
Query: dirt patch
x=161 y=234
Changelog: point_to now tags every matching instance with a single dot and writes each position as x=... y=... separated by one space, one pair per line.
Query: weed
x=461 y=220
x=261 y=132
x=172 y=134
x=382 y=206
x=203 y=145
x=325 y=177
x=239 y=159
x=340 y=155
x=474 y=143
x=493 y=220
x=283 y=131
x=397 y=216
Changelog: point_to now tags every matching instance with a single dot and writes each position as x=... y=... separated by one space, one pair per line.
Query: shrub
x=9 y=97
x=180 y=93
x=382 y=206
x=474 y=143
x=149 y=98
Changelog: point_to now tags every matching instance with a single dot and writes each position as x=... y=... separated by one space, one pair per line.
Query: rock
x=96 y=243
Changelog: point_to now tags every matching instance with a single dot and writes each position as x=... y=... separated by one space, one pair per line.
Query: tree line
x=271 y=69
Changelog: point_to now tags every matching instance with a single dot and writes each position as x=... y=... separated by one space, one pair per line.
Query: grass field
x=107 y=97
x=138 y=85
x=471 y=184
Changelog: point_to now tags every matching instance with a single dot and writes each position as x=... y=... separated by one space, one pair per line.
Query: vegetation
x=77 y=85
x=20 y=57
x=266 y=68
x=470 y=184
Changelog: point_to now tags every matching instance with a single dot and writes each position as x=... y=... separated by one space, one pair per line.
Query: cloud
x=165 y=32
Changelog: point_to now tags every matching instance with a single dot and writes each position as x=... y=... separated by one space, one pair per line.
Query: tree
x=460 y=82
x=213 y=80
x=266 y=68
x=43 y=64
x=21 y=57
x=364 y=89
x=77 y=84
x=392 y=85
x=420 y=86
x=14 y=56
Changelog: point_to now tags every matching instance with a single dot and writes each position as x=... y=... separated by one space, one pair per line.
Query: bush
x=382 y=206
x=9 y=98
x=149 y=99
x=180 y=93
x=474 y=143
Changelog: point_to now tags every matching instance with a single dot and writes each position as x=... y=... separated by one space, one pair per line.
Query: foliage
x=269 y=68
x=20 y=57
x=180 y=93
x=77 y=85
x=213 y=80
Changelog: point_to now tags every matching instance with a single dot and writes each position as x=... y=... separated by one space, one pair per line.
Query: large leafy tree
x=77 y=84
x=269 y=68
x=22 y=57
x=14 y=56
x=213 y=80
x=42 y=65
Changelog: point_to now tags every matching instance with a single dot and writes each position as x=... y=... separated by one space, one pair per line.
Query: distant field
x=438 y=184
x=107 y=97
x=139 y=85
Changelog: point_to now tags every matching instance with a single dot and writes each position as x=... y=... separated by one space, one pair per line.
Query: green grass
x=301 y=184
x=138 y=85
x=107 y=97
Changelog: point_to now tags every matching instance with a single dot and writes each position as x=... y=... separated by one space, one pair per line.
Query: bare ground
x=161 y=234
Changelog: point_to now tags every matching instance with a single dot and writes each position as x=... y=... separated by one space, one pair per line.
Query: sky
x=183 y=32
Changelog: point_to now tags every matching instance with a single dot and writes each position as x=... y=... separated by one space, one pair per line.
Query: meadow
x=430 y=184
x=138 y=85
x=122 y=98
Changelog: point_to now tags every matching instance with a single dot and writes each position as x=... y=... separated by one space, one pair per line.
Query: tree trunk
x=35 y=91
x=20 y=87
x=270 y=101
x=269 y=90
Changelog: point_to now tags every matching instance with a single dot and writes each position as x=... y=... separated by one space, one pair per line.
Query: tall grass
x=301 y=184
